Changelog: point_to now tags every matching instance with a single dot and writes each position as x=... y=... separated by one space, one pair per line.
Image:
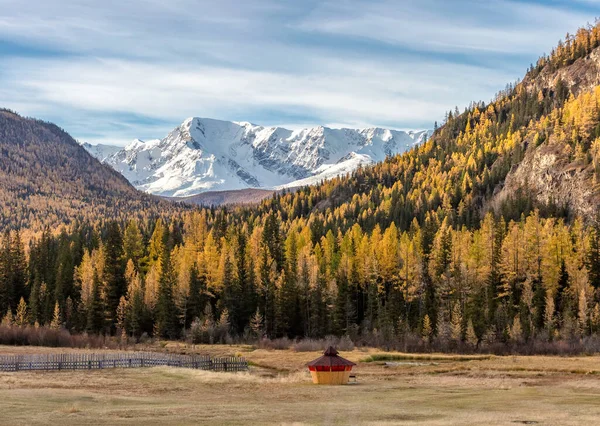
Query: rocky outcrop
x=581 y=76
x=550 y=177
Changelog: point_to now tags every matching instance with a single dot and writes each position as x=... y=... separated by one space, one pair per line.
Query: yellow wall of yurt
x=330 y=377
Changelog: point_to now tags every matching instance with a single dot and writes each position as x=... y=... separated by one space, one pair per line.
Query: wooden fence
x=90 y=361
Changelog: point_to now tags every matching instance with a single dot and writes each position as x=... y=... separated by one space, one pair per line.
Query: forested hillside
x=48 y=179
x=486 y=234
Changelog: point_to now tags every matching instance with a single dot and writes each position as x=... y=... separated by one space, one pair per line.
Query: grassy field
x=395 y=389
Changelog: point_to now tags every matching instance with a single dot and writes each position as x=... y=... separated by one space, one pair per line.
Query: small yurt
x=330 y=369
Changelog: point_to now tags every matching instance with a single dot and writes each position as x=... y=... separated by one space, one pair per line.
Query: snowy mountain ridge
x=212 y=155
x=101 y=151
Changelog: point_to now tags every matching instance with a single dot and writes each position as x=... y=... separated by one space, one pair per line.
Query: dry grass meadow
x=425 y=389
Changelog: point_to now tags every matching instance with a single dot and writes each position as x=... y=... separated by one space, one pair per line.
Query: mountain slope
x=47 y=178
x=535 y=146
x=207 y=155
x=561 y=160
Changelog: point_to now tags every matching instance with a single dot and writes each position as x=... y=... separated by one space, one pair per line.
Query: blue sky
x=112 y=71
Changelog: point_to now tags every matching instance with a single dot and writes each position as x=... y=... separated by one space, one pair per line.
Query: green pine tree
x=166 y=311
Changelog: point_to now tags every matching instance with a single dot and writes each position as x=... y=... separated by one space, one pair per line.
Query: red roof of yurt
x=330 y=358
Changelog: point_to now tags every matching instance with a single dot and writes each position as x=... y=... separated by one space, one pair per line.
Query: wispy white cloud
x=111 y=71
x=361 y=94
x=442 y=26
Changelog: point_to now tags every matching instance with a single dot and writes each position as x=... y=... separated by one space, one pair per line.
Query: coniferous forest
x=419 y=248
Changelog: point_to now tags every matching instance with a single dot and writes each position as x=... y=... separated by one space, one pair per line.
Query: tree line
x=536 y=277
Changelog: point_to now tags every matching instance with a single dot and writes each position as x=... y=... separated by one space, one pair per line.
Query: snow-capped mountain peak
x=204 y=154
x=101 y=151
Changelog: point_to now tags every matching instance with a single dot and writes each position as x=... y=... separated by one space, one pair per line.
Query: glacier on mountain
x=212 y=155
